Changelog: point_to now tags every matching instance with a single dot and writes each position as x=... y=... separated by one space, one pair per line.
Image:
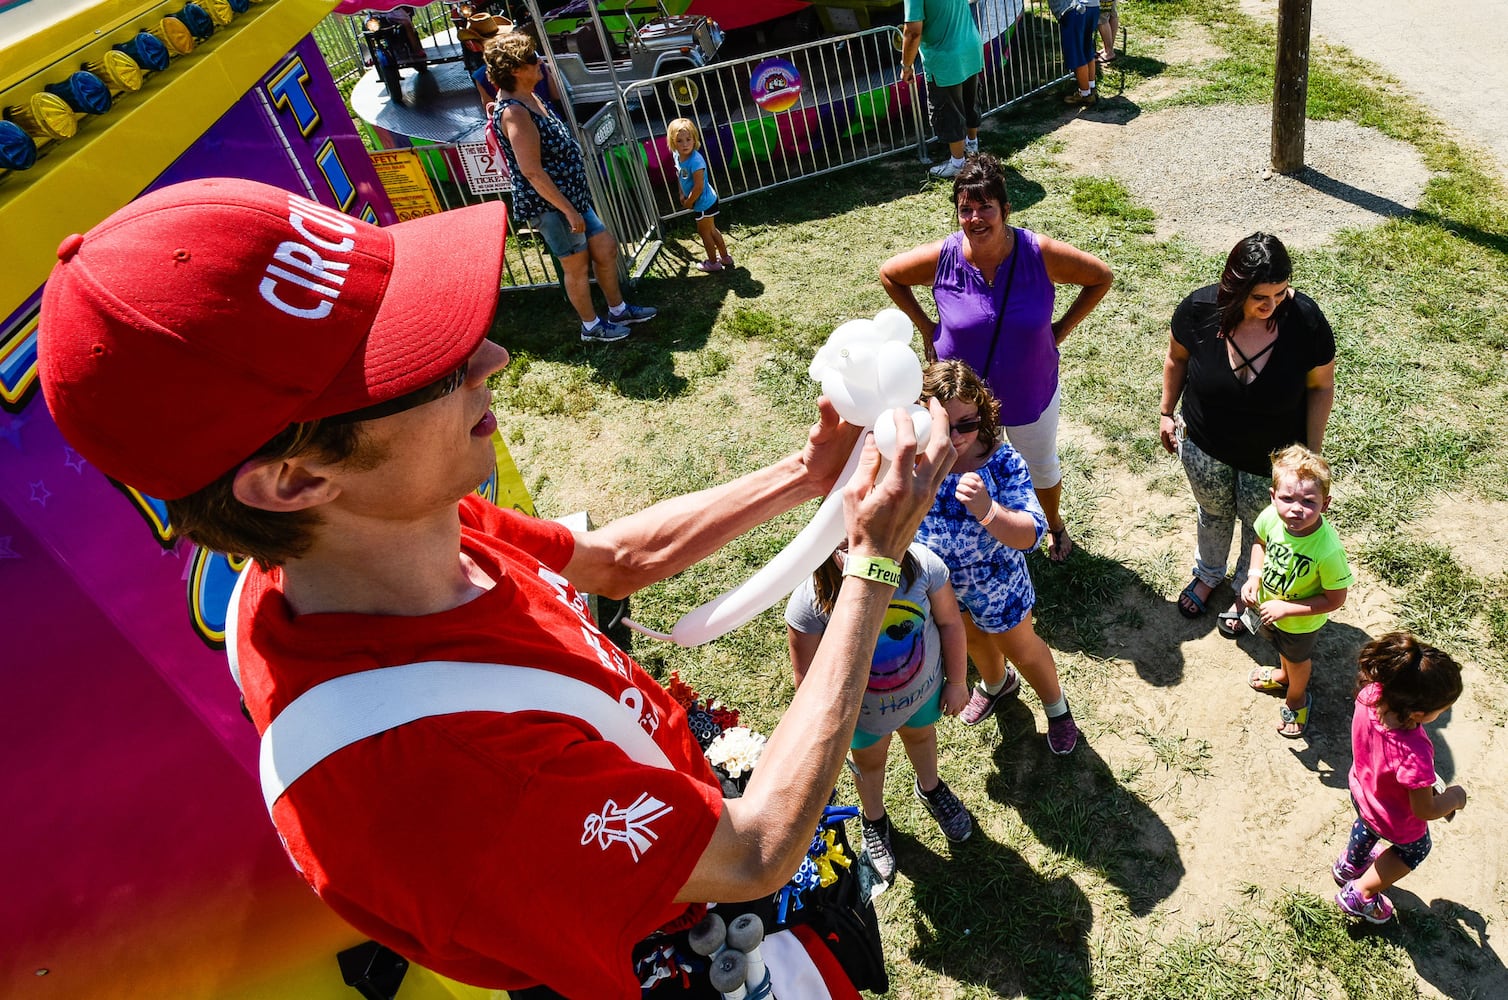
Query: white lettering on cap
x=298 y=264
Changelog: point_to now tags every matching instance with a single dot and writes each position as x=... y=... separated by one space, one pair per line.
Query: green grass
x=1063 y=890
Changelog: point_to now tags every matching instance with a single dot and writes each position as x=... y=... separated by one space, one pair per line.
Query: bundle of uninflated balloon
x=867 y=369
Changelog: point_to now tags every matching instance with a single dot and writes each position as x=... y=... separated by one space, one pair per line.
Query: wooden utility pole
x=1290 y=86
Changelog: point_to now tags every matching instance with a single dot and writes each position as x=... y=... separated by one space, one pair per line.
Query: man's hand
x=828 y=445
x=882 y=514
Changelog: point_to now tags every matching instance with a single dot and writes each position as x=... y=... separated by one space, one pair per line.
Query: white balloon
x=867 y=369
x=884 y=428
x=894 y=325
x=898 y=376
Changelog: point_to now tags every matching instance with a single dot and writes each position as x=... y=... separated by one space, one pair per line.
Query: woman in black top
x=1254 y=362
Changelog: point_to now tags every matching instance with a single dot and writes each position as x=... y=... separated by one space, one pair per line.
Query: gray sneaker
x=951 y=816
x=877 y=846
x=632 y=314
x=947 y=168
x=605 y=332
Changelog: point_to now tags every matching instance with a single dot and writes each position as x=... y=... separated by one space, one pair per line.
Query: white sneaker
x=971 y=147
x=948 y=168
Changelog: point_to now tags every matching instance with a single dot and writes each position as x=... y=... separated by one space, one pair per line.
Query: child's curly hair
x=1414 y=677
x=1303 y=464
x=954 y=379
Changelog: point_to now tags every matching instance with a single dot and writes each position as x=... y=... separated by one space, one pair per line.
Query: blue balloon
x=149 y=51
x=197 y=20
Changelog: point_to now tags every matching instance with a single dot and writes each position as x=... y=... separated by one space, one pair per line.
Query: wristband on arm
x=886 y=571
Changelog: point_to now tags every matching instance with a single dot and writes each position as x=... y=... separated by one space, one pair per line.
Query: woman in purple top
x=995 y=286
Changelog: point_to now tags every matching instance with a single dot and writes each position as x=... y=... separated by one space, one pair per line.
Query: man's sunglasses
x=967 y=425
x=438 y=389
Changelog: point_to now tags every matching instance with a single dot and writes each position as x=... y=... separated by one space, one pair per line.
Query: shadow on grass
x=540 y=324
x=989 y=918
x=1075 y=806
x=1484 y=238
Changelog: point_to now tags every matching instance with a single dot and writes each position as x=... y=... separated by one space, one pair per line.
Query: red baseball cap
x=198 y=322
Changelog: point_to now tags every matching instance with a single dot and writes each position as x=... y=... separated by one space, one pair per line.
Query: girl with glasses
x=985 y=519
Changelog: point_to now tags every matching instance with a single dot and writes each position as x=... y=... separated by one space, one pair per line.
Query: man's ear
x=282 y=485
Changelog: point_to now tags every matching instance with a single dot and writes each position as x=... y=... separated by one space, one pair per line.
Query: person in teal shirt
x=1299 y=575
x=945 y=34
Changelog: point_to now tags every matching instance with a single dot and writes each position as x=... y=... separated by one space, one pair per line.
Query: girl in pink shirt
x=1402 y=685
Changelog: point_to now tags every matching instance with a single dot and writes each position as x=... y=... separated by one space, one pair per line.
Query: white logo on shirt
x=625 y=826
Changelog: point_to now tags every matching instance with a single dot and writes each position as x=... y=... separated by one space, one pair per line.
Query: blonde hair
x=1301 y=463
x=678 y=126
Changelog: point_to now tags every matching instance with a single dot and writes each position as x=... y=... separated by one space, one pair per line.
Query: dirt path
x=1451 y=54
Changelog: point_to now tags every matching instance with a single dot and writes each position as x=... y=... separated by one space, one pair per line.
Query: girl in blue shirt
x=685 y=143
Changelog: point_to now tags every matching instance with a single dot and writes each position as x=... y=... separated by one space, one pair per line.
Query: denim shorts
x=558 y=236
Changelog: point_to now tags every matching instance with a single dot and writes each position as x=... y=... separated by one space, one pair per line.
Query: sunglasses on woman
x=968 y=425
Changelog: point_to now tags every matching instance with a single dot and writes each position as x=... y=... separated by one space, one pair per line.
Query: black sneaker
x=951 y=816
x=877 y=845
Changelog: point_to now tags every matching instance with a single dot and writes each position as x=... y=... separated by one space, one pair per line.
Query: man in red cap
x=456 y=759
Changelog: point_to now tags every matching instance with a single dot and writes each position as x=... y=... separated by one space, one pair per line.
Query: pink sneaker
x=1377 y=910
x=982 y=704
x=710 y=266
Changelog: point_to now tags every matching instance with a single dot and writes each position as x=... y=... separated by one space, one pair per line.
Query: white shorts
x=1038 y=444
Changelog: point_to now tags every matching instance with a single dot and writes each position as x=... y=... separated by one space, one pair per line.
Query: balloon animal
x=868 y=370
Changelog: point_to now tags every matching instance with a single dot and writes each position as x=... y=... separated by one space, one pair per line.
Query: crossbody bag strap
x=1010 y=277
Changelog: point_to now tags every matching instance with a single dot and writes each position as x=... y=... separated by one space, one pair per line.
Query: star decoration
x=73 y=459
x=6 y=552
x=40 y=493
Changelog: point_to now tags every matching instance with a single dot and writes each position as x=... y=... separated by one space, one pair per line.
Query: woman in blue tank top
x=550 y=188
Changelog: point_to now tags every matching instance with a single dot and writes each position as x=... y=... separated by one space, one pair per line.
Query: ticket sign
x=486 y=171
x=407 y=185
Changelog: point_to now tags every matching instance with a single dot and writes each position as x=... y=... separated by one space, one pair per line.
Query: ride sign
x=486 y=171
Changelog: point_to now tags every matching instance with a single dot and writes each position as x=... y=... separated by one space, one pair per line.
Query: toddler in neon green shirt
x=1299 y=575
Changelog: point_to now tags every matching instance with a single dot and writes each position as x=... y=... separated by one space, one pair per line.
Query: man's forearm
x=771 y=824
x=643 y=548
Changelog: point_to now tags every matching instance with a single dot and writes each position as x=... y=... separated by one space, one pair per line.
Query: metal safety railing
x=781 y=116
x=765 y=121
x=809 y=110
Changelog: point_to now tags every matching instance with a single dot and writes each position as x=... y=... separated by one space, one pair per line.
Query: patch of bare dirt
x=1274 y=812
x=1206 y=172
x=1476 y=532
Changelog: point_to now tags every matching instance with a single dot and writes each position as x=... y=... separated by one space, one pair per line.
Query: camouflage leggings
x=1223 y=494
